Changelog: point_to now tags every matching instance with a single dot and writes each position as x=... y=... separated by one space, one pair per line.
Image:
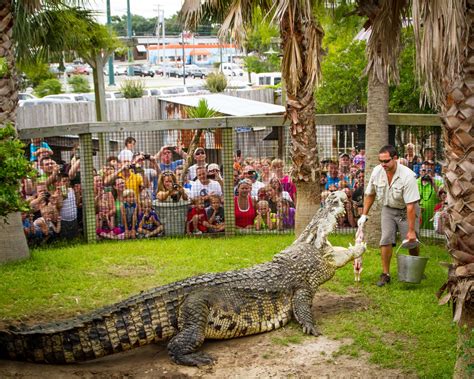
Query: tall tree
x=444 y=32
x=301 y=38
x=21 y=22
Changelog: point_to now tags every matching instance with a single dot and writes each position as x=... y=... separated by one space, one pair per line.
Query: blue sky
x=145 y=8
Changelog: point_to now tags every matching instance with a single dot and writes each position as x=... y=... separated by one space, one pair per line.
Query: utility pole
x=184 y=69
x=129 y=35
x=157 y=33
x=111 y=58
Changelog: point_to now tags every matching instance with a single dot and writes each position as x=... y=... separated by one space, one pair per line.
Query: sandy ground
x=259 y=356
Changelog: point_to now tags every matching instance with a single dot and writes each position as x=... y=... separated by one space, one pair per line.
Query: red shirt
x=244 y=217
x=202 y=218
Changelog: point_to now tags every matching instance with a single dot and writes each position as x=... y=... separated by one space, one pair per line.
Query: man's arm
x=368 y=201
x=411 y=218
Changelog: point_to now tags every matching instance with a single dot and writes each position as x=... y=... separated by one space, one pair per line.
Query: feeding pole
x=111 y=58
x=129 y=35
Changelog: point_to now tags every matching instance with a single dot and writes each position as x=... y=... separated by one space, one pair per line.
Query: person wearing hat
x=199 y=156
x=214 y=173
x=394 y=186
x=344 y=164
x=165 y=158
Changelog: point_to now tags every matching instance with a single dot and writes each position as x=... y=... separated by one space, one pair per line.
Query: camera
x=426 y=178
x=133 y=166
x=146 y=156
x=211 y=176
x=46 y=195
x=175 y=186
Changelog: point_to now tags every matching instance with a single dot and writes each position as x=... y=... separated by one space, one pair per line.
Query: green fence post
x=87 y=186
x=228 y=158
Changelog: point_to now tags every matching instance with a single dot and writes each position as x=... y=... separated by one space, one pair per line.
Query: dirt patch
x=260 y=356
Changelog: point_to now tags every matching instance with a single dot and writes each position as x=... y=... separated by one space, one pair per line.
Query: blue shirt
x=34 y=148
x=171 y=166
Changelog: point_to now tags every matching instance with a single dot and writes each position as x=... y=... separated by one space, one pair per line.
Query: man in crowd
x=394 y=185
x=127 y=153
x=200 y=159
x=165 y=158
x=204 y=187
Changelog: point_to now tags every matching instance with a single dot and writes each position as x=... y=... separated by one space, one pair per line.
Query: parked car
x=67 y=96
x=197 y=89
x=26 y=96
x=39 y=101
x=120 y=70
x=173 y=91
x=176 y=72
x=143 y=71
x=231 y=69
x=152 y=92
x=195 y=71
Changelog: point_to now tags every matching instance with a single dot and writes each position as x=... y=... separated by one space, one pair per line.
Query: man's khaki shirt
x=402 y=191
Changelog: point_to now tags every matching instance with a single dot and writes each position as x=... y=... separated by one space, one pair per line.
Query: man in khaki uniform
x=395 y=187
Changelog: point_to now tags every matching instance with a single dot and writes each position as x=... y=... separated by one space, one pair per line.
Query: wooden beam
x=219 y=123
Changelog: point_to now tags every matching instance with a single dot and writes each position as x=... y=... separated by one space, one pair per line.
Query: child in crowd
x=286 y=216
x=104 y=222
x=197 y=222
x=149 y=224
x=49 y=224
x=129 y=214
x=215 y=214
x=265 y=219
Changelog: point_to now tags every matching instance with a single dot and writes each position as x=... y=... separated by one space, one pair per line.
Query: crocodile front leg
x=182 y=348
x=301 y=302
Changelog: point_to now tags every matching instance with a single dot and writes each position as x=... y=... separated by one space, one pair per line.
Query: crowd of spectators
x=128 y=188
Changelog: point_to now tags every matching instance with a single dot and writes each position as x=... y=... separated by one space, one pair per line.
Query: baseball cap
x=213 y=166
x=198 y=149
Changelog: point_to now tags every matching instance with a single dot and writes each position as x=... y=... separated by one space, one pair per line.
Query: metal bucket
x=411 y=268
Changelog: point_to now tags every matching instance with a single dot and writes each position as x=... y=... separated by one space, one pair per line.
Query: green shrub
x=13 y=167
x=132 y=88
x=48 y=87
x=36 y=73
x=216 y=82
x=79 y=84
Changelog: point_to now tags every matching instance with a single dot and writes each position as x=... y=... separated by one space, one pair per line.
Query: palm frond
x=383 y=47
x=441 y=35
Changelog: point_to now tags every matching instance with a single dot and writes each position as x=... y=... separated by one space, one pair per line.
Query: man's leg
x=386 y=258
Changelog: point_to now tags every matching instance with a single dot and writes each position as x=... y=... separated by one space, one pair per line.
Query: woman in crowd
x=169 y=189
x=265 y=172
x=276 y=184
x=100 y=194
x=285 y=180
x=411 y=157
x=244 y=207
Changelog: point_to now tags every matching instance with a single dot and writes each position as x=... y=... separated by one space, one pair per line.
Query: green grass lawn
x=402 y=327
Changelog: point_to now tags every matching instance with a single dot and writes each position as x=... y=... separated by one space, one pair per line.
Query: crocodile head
x=324 y=221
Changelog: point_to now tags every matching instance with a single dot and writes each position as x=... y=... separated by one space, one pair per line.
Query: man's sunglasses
x=385 y=161
x=199 y=153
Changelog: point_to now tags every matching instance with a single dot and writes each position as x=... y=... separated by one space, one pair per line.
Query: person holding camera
x=204 y=187
x=169 y=189
x=395 y=187
x=428 y=187
x=165 y=158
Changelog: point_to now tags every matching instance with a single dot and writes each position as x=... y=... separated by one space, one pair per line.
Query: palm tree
x=301 y=38
x=19 y=26
x=444 y=36
x=383 y=48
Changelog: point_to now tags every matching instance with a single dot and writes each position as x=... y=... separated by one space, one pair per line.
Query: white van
x=67 y=96
x=266 y=78
x=231 y=69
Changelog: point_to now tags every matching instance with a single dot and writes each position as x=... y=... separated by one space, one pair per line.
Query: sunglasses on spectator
x=167 y=173
x=424 y=169
x=385 y=160
x=250 y=172
x=199 y=152
x=214 y=170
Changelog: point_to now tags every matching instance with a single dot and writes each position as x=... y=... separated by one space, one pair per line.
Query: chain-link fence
x=148 y=184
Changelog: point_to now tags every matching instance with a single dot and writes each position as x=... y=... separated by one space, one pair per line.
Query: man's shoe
x=384 y=279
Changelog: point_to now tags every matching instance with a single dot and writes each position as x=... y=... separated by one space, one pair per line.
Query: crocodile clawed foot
x=312 y=330
x=193 y=359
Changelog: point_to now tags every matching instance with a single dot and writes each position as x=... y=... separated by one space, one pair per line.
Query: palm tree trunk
x=9 y=83
x=300 y=109
x=13 y=244
x=458 y=120
x=376 y=136
x=12 y=239
x=189 y=159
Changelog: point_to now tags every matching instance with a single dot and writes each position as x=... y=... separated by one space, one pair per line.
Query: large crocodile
x=217 y=306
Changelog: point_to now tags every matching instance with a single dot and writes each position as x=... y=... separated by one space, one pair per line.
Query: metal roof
x=229 y=105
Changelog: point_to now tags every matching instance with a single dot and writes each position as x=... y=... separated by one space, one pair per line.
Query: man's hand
x=411 y=236
x=362 y=220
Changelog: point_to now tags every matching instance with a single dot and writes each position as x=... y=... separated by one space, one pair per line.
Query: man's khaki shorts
x=396 y=219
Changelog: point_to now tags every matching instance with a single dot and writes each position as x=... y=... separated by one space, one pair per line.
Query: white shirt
x=199 y=189
x=402 y=191
x=255 y=187
x=125 y=155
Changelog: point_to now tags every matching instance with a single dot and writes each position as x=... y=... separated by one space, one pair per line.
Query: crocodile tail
x=84 y=338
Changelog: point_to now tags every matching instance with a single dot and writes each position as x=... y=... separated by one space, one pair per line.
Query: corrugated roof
x=229 y=105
